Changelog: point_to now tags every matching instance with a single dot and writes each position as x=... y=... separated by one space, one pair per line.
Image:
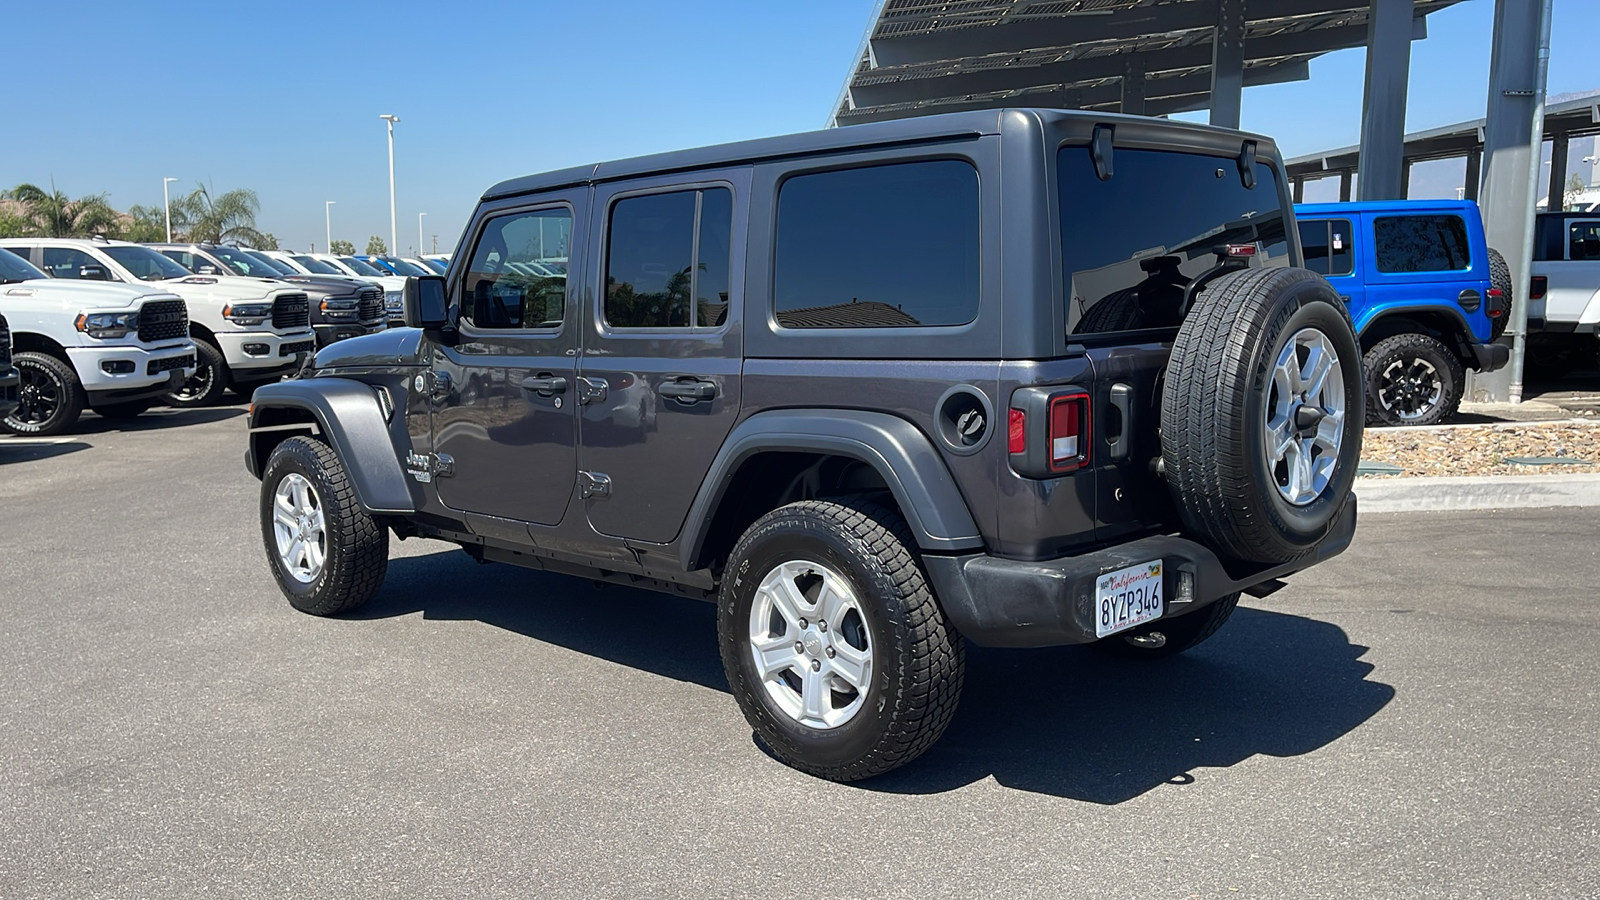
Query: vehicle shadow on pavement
x=662 y=634
x=1066 y=721
x=24 y=450
x=157 y=419
x=1075 y=723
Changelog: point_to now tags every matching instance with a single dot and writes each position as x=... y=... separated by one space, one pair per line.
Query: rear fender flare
x=351 y=421
x=901 y=454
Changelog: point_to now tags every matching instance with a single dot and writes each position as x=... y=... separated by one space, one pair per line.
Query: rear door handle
x=1122 y=401
x=545 y=384
x=688 y=390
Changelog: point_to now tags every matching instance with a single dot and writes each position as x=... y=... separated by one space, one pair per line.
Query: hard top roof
x=947 y=126
x=1360 y=206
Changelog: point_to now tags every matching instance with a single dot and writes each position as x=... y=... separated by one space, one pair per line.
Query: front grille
x=297 y=347
x=5 y=346
x=163 y=320
x=157 y=366
x=371 y=306
x=291 y=311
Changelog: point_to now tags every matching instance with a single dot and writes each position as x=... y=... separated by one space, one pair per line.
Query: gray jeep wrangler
x=1017 y=377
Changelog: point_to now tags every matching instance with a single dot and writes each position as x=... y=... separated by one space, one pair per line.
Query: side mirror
x=93 y=273
x=424 y=302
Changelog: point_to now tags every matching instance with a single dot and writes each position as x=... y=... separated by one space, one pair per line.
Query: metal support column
x=1474 y=173
x=1405 y=179
x=1227 y=64
x=1383 y=112
x=1299 y=184
x=1558 y=172
x=1512 y=136
x=1344 y=185
x=1133 y=85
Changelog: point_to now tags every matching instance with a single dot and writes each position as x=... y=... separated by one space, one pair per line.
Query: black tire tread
x=1412 y=344
x=72 y=403
x=929 y=686
x=365 y=559
x=211 y=356
x=1500 y=277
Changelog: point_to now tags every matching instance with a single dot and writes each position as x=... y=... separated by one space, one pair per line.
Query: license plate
x=1127 y=597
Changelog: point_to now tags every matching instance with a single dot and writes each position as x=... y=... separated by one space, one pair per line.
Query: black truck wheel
x=50 y=394
x=327 y=554
x=1169 y=637
x=206 y=385
x=1261 y=413
x=834 y=647
x=1412 y=379
x=1500 y=279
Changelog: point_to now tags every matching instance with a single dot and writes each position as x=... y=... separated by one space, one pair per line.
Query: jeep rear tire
x=206 y=385
x=1261 y=413
x=50 y=394
x=326 y=553
x=834 y=647
x=1412 y=379
x=1500 y=279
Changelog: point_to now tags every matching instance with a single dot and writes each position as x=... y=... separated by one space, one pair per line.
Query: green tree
x=342 y=248
x=227 y=217
x=268 y=241
x=13 y=223
x=53 y=214
x=376 y=246
x=144 y=224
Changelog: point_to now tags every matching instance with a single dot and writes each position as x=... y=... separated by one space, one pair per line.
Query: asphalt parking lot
x=1417 y=718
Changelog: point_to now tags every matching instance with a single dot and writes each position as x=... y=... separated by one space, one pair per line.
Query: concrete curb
x=1477 y=492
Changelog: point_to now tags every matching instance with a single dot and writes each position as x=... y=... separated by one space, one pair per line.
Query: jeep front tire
x=834 y=647
x=328 y=555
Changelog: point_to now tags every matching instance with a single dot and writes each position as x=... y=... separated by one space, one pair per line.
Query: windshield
x=14 y=268
x=361 y=266
x=401 y=267
x=273 y=265
x=243 y=263
x=316 y=266
x=1126 y=273
x=435 y=265
x=146 y=264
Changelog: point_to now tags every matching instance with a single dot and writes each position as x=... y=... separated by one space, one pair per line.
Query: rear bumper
x=1491 y=357
x=1009 y=603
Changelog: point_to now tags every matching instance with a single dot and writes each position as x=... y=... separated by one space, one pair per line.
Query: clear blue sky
x=286 y=99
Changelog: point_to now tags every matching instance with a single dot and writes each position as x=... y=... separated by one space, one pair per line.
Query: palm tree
x=53 y=214
x=145 y=224
x=227 y=217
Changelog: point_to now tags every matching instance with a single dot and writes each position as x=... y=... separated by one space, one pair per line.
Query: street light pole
x=393 y=239
x=166 y=203
x=419 y=233
x=327 y=214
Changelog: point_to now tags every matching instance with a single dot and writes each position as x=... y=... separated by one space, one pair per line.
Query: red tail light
x=1017 y=438
x=1540 y=285
x=1069 y=433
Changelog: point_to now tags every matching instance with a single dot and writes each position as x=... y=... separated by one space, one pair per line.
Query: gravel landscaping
x=1515 y=449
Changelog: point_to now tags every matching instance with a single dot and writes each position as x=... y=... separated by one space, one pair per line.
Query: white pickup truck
x=1564 y=298
x=115 y=348
x=247 y=332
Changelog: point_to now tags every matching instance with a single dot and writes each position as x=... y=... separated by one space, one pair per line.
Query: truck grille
x=157 y=366
x=371 y=305
x=163 y=320
x=291 y=311
x=297 y=347
x=5 y=346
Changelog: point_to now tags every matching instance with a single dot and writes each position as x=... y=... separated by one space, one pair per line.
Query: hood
x=392 y=346
x=73 y=294
x=218 y=289
x=328 y=285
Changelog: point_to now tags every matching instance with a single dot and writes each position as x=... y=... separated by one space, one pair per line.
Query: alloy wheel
x=299 y=528
x=1305 y=416
x=812 y=651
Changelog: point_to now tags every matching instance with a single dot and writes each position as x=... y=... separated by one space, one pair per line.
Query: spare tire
x=1261 y=413
x=1500 y=278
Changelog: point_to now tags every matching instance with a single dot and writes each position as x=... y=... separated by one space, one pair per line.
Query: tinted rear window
x=1131 y=245
x=1325 y=244
x=1421 y=244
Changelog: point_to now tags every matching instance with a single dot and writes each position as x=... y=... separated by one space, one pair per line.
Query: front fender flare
x=352 y=422
x=902 y=455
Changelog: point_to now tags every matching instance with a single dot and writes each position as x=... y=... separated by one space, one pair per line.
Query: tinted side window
x=65 y=262
x=883 y=246
x=502 y=290
x=1327 y=246
x=653 y=276
x=1421 y=244
x=1584 y=240
x=1130 y=246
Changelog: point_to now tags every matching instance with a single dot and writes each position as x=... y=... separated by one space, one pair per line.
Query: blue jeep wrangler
x=1427 y=295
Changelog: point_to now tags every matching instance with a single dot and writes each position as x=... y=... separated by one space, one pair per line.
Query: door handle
x=545 y=384
x=1121 y=445
x=688 y=390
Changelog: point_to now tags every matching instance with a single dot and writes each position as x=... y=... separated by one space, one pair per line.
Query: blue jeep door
x=1330 y=252
x=1422 y=261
